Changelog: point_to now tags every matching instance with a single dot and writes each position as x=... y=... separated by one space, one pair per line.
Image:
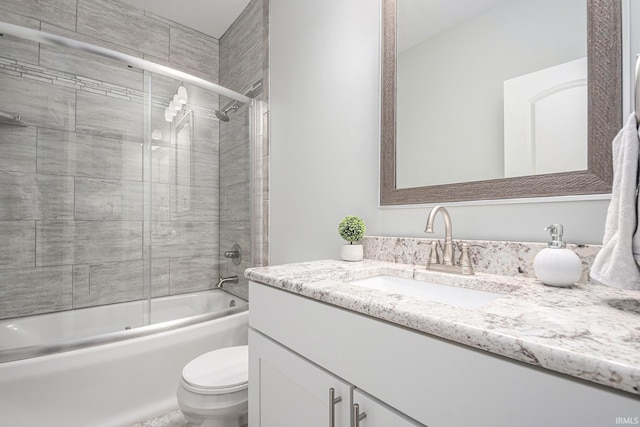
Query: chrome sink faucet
x=448 y=251
x=448 y=264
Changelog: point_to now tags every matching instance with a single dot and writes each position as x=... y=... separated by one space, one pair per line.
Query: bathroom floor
x=170 y=419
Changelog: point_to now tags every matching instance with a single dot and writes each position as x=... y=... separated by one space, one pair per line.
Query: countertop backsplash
x=503 y=258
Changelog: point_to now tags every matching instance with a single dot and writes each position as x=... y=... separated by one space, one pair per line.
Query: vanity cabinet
x=377 y=413
x=299 y=348
x=292 y=391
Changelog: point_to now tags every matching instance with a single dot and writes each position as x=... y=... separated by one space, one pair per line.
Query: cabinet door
x=378 y=414
x=288 y=390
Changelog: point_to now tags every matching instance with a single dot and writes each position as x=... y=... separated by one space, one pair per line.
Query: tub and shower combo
x=109 y=222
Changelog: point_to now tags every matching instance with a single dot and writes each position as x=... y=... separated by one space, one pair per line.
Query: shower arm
x=11 y=119
x=9 y=116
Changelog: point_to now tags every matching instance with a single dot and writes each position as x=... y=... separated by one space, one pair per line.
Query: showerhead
x=223 y=114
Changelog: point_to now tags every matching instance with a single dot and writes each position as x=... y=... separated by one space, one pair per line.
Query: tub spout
x=223 y=280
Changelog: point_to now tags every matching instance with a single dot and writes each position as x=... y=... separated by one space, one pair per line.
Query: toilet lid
x=223 y=369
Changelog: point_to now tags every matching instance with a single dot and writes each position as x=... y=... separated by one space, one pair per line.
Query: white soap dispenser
x=557 y=265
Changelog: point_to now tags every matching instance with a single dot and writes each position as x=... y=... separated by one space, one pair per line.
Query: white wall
x=325 y=143
x=324 y=122
x=634 y=35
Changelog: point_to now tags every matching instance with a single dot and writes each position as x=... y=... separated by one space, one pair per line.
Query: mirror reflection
x=490 y=89
x=183 y=143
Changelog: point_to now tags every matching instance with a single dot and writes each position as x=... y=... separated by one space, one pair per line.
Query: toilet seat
x=218 y=372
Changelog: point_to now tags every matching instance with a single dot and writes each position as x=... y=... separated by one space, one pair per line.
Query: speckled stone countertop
x=588 y=331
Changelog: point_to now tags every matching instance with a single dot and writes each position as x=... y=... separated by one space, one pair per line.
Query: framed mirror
x=604 y=119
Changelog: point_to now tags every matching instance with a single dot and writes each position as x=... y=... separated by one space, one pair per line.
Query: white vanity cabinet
x=377 y=413
x=292 y=391
x=288 y=390
x=299 y=348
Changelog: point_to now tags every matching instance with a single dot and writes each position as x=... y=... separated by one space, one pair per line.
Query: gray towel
x=616 y=264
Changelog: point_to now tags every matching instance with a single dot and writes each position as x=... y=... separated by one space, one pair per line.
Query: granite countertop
x=587 y=331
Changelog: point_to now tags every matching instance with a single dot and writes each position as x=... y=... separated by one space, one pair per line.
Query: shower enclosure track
x=16 y=120
x=11 y=354
x=130 y=61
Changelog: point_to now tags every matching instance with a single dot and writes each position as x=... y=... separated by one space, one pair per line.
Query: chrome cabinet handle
x=357 y=416
x=332 y=406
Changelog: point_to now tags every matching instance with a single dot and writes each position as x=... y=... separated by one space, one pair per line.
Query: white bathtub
x=98 y=377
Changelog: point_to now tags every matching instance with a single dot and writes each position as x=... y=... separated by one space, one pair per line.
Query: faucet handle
x=465 y=260
x=434 y=257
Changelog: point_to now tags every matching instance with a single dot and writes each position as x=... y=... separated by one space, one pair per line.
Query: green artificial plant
x=351 y=229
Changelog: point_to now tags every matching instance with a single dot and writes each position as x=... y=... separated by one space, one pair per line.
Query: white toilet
x=214 y=388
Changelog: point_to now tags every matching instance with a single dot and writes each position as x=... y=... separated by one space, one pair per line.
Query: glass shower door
x=110 y=185
x=71 y=186
x=184 y=196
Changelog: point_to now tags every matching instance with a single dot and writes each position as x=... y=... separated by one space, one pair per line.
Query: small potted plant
x=351 y=229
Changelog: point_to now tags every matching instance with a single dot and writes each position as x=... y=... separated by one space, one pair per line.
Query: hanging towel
x=616 y=264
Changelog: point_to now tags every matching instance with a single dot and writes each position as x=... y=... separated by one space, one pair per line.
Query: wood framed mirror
x=604 y=117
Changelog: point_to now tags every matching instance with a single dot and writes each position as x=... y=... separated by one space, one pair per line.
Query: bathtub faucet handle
x=235 y=254
x=230 y=279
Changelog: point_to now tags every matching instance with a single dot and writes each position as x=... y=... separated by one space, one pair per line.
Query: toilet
x=213 y=391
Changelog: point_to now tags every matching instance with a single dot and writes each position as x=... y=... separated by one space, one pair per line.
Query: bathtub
x=100 y=367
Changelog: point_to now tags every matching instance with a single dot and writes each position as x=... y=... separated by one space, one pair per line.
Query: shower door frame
x=256 y=129
x=130 y=61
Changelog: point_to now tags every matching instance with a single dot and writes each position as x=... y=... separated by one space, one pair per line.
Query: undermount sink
x=429 y=291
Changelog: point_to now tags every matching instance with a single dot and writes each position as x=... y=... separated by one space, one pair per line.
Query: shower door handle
x=332 y=406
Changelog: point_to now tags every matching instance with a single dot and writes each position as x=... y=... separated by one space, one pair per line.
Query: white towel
x=616 y=264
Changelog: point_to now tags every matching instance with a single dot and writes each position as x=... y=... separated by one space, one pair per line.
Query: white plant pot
x=352 y=252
